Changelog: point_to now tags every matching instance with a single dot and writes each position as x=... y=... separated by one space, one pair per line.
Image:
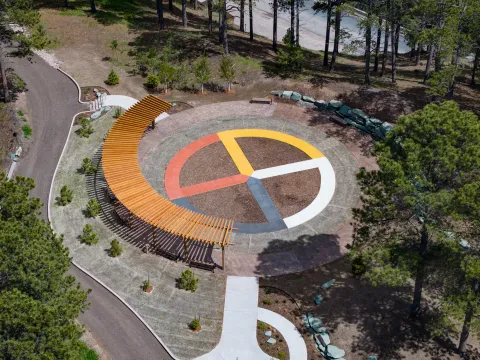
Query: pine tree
x=202 y=71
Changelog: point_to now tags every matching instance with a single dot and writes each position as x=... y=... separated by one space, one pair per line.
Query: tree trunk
x=395 y=38
x=297 y=25
x=202 y=88
x=93 y=8
x=161 y=23
x=220 y=26
x=65 y=3
x=292 y=22
x=475 y=66
x=250 y=14
x=336 y=40
x=242 y=15
x=327 y=33
x=412 y=51
x=418 y=54
x=194 y=4
x=170 y=5
x=225 y=28
x=368 y=43
x=184 y=13
x=431 y=51
x=210 y=16
x=377 y=45
x=4 y=77
x=275 y=24
x=420 y=276
x=385 y=49
x=462 y=345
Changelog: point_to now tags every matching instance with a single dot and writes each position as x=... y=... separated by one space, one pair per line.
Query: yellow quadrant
x=236 y=153
x=270 y=134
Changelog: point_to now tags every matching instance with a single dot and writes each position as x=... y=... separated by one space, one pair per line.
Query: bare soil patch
x=210 y=163
x=361 y=319
x=278 y=350
x=264 y=153
x=293 y=192
x=234 y=202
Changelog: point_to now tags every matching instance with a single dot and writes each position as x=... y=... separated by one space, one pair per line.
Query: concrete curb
x=73 y=262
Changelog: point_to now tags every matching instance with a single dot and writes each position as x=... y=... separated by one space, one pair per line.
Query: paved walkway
x=239 y=331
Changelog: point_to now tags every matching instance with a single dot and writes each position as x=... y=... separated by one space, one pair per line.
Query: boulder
x=334 y=352
x=287 y=94
x=320 y=104
x=335 y=105
x=308 y=99
x=276 y=92
x=296 y=96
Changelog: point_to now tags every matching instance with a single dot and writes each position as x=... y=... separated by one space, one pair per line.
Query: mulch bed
x=234 y=202
x=273 y=350
x=210 y=163
x=264 y=153
x=291 y=193
x=178 y=106
x=89 y=95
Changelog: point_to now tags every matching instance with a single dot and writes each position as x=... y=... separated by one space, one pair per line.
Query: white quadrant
x=327 y=189
x=287 y=169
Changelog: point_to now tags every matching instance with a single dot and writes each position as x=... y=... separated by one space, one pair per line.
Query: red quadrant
x=172 y=173
x=213 y=185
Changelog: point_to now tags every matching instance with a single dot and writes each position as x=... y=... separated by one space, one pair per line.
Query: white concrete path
x=296 y=345
x=239 y=332
x=126 y=102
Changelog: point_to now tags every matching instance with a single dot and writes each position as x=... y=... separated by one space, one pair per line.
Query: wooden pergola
x=125 y=180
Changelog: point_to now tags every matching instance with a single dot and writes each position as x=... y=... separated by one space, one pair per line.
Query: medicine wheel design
x=257 y=181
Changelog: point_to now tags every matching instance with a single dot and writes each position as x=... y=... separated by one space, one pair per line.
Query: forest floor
x=82 y=42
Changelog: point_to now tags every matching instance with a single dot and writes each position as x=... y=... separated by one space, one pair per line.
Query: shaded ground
x=361 y=319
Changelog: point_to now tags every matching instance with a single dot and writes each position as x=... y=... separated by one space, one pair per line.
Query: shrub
x=227 y=71
x=20 y=113
x=202 y=71
x=88 y=167
x=152 y=81
x=93 y=208
x=66 y=196
x=282 y=355
x=146 y=284
x=40 y=38
x=291 y=59
x=358 y=265
x=267 y=301
x=86 y=128
x=113 y=78
x=195 y=324
x=27 y=131
x=115 y=248
x=117 y=113
x=89 y=236
x=262 y=326
x=188 y=281
x=85 y=353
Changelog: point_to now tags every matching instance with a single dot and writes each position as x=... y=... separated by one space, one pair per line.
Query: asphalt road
x=53 y=101
x=312 y=26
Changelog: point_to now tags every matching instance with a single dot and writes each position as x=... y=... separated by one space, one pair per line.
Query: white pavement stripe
x=327 y=189
x=297 y=349
x=287 y=169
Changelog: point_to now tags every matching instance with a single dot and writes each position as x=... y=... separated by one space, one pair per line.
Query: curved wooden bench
x=125 y=180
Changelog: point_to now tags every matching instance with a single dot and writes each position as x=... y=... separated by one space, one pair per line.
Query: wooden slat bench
x=172 y=255
x=202 y=265
x=261 y=101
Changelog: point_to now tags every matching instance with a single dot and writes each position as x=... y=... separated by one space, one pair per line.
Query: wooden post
x=153 y=124
x=223 y=258
x=185 y=248
x=154 y=233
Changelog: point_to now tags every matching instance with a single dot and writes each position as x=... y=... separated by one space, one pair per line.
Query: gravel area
x=293 y=192
x=264 y=153
x=234 y=202
x=210 y=163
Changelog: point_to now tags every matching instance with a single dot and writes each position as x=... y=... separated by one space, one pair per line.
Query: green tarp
x=296 y=96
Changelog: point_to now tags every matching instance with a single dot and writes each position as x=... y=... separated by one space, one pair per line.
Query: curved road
x=53 y=101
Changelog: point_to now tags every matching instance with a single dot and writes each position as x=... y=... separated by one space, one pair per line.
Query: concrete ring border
x=73 y=262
